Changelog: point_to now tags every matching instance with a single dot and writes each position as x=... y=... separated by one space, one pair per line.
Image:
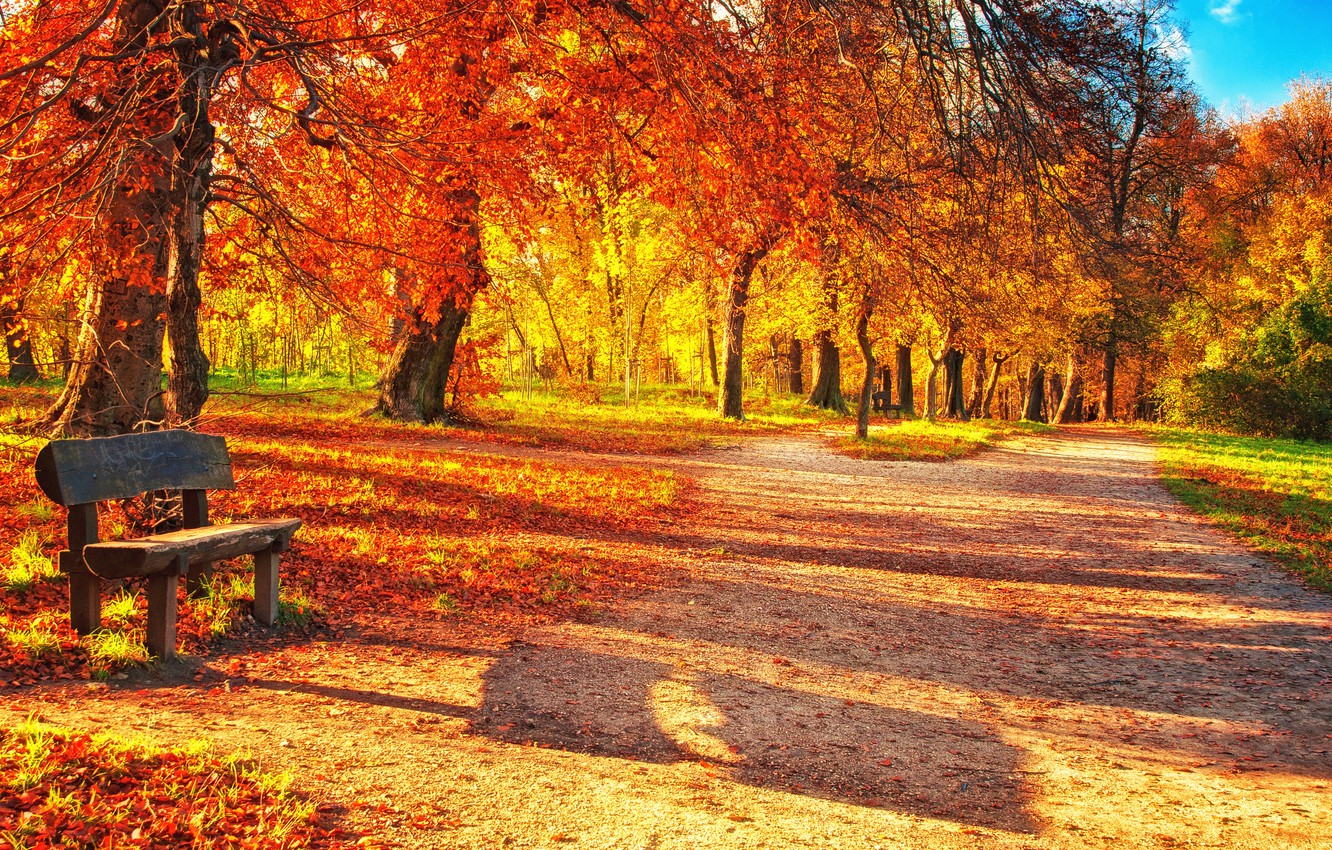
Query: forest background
x=1003 y=209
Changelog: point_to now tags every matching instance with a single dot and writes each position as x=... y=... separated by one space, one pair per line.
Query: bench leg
x=85 y=602
x=266 y=586
x=162 y=614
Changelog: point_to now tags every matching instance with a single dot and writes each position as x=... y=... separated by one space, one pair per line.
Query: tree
x=142 y=119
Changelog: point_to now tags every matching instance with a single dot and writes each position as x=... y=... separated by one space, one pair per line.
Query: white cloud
x=1226 y=11
x=1174 y=43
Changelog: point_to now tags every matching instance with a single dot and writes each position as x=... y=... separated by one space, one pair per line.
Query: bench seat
x=178 y=549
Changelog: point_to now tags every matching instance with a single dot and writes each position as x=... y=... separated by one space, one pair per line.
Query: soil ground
x=1032 y=648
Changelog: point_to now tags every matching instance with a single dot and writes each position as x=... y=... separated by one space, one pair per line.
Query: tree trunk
x=144 y=260
x=955 y=407
x=886 y=383
x=1054 y=395
x=991 y=384
x=797 y=366
x=730 y=398
x=187 y=374
x=867 y=353
x=937 y=362
x=114 y=384
x=416 y=375
x=906 y=393
x=827 y=392
x=1108 y=363
x=18 y=347
x=978 y=384
x=1070 y=406
x=1035 y=392
x=544 y=294
x=712 y=351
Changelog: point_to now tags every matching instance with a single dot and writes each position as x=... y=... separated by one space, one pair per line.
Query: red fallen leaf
x=886 y=762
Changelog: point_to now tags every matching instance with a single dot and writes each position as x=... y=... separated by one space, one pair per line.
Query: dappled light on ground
x=1035 y=647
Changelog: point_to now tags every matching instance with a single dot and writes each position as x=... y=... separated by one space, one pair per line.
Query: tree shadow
x=758 y=734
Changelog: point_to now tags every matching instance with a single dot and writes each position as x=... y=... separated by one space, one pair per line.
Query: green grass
x=921 y=439
x=37 y=639
x=111 y=649
x=27 y=565
x=663 y=419
x=1274 y=494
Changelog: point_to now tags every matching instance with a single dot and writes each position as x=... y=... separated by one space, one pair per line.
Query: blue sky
x=1245 y=51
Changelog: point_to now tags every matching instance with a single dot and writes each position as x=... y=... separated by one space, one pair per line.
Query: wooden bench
x=879 y=402
x=80 y=473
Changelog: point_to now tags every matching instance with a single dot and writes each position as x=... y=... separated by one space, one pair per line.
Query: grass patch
x=112 y=649
x=37 y=640
x=1275 y=494
x=28 y=564
x=920 y=439
x=102 y=791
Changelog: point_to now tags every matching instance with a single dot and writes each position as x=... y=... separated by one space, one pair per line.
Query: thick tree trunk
x=955 y=404
x=886 y=383
x=1031 y=411
x=18 y=347
x=827 y=392
x=1054 y=395
x=1070 y=406
x=906 y=392
x=417 y=373
x=144 y=260
x=730 y=397
x=191 y=178
x=797 y=366
x=1108 y=364
x=114 y=384
x=867 y=354
x=416 y=376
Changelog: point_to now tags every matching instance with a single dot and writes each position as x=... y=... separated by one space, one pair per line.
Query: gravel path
x=1033 y=648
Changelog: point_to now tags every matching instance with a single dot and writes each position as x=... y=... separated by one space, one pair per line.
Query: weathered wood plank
x=85 y=589
x=161 y=636
x=72 y=472
x=266 y=586
x=194 y=504
x=149 y=555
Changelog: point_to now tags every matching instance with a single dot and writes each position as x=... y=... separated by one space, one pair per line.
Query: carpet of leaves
x=387 y=522
x=67 y=789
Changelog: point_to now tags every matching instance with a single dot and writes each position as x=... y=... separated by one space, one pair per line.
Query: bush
x=1276 y=382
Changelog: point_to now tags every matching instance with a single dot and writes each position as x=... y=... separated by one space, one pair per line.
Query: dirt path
x=1034 y=648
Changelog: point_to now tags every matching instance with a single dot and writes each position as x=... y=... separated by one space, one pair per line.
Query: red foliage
x=90 y=793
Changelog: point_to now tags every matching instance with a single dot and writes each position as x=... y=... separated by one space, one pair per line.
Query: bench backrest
x=78 y=472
